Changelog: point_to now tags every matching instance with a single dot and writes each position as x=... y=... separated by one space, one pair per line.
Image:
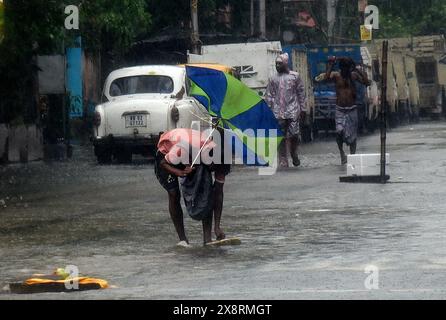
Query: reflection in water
x=300 y=229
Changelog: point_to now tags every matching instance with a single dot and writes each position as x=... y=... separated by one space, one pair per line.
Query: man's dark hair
x=347 y=65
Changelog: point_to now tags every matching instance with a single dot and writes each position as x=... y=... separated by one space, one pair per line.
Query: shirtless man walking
x=346 y=108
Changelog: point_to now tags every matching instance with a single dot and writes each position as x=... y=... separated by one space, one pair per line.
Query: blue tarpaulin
x=74 y=79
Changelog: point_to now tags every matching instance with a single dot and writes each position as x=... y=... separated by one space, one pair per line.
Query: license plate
x=136 y=121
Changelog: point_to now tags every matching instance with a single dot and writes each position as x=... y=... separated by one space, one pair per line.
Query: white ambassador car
x=141 y=103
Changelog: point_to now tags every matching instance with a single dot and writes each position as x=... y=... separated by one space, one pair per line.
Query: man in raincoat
x=285 y=95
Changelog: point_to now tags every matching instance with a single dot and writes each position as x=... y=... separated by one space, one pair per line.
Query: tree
x=30 y=27
x=433 y=20
x=175 y=15
x=113 y=25
x=1 y=20
x=34 y=27
x=110 y=27
x=400 y=18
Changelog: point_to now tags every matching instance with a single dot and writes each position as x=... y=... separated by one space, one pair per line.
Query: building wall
x=92 y=86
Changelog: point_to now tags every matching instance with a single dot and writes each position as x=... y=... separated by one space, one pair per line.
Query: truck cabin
x=427 y=75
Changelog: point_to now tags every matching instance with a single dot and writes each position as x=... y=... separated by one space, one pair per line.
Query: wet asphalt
x=304 y=234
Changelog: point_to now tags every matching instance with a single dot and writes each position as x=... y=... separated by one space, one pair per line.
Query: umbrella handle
x=202 y=147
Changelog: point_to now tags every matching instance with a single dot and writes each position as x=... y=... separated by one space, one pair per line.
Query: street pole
x=331 y=18
x=262 y=18
x=383 y=111
x=361 y=17
x=195 y=31
x=2 y=19
x=252 y=17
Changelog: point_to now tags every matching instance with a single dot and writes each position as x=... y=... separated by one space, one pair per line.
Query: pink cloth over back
x=174 y=142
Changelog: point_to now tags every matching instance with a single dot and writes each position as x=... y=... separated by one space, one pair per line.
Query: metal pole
x=361 y=19
x=203 y=146
x=331 y=18
x=195 y=31
x=383 y=111
x=252 y=17
x=262 y=18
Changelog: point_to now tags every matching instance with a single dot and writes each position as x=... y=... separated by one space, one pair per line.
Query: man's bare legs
x=207 y=229
x=353 y=147
x=340 y=142
x=176 y=214
x=218 y=209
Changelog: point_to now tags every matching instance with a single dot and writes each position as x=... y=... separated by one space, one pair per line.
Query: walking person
x=346 y=108
x=285 y=95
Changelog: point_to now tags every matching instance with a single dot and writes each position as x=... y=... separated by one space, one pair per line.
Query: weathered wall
x=92 y=79
x=24 y=143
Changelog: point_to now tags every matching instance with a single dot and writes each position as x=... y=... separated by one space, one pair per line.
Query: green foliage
x=434 y=19
x=207 y=15
x=241 y=8
x=175 y=15
x=400 y=18
x=394 y=26
x=113 y=25
x=2 y=21
x=104 y=24
x=32 y=25
x=37 y=27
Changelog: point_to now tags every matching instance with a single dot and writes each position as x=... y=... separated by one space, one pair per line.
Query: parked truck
x=414 y=89
x=423 y=64
x=373 y=93
x=253 y=62
x=398 y=68
x=392 y=97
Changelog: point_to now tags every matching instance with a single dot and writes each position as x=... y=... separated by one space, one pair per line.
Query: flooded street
x=304 y=235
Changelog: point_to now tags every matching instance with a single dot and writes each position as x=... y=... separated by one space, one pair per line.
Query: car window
x=141 y=85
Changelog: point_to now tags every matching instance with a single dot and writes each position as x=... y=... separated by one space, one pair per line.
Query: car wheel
x=123 y=156
x=105 y=157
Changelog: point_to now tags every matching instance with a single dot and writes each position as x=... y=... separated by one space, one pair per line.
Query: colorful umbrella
x=239 y=110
